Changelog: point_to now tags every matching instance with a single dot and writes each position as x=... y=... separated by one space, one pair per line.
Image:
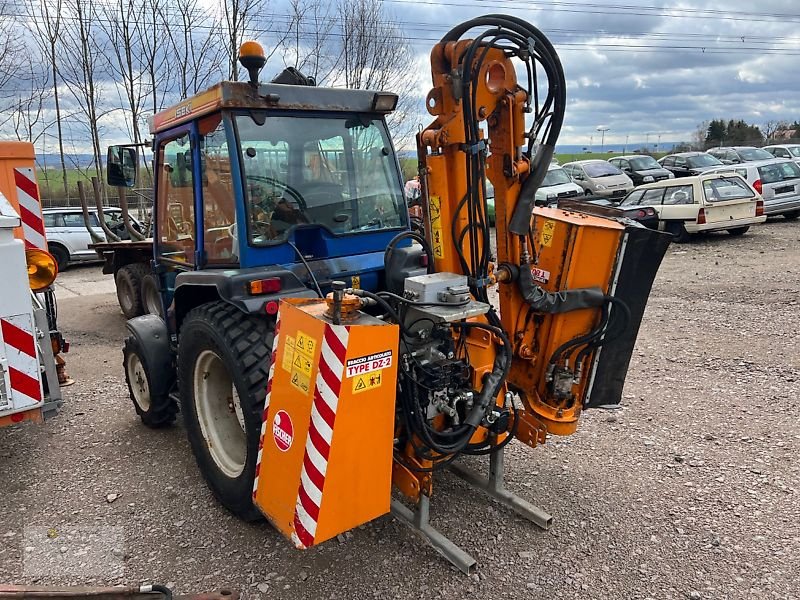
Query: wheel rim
x=219 y=413
x=125 y=295
x=137 y=376
x=152 y=300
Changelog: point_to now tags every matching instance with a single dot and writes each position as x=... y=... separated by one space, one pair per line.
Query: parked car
x=641 y=168
x=67 y=237
x=778 y=182
x=599 y=178
x=603 y=207
x=556 y=184
x=734 y=155
x=688 y=164
x=784 y=151
x=699 y=204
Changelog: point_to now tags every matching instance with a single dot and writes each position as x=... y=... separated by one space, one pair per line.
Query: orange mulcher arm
x=554 y=268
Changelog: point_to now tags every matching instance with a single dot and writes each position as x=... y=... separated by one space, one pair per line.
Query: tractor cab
x=270 y=190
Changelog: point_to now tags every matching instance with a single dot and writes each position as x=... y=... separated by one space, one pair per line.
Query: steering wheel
x=287 y=189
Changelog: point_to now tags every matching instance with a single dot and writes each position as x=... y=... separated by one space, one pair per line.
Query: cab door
x=177 y=230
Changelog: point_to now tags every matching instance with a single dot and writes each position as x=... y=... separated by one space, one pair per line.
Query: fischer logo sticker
x=282 y=430
x=540 y=275
x=369 y=363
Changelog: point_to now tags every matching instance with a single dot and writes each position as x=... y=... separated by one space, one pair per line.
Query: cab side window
x=219 y=211
x=669 y=161
x=176 y=214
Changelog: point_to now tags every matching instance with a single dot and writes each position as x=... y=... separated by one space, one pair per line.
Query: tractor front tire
x=155 y=410
x=129 y=289
x=223 y=364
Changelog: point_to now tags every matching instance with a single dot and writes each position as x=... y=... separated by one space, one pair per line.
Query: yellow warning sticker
x=301 y=364
x=305 y=344
x=288 y=353
x=548 y=230
x=370 y=381
x=356 y=282
x=435 y=205
x=301 y=382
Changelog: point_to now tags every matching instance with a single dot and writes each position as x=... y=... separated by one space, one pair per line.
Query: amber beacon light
x=42 y=268
x=252 y=58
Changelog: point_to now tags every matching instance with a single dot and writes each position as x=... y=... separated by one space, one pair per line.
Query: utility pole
x=658 y=143
x=602 y=129
x=625 y=149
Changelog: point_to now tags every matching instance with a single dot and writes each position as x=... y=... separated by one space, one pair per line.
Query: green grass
x=51 y=185
x=565 y=158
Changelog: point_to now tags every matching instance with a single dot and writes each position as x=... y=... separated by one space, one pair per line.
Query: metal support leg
x=419 y=521
x=494 y=487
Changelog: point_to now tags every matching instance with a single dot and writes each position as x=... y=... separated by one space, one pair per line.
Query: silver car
x=67 y=237
x=599 y=178
x=778 y=182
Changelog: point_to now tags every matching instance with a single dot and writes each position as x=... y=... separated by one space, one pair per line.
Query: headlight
x=600 y=186
x=671 y=175
x=552 y=196
x=648 y=179
x=42 y=268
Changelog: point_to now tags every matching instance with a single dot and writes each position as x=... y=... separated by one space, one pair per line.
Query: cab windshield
x=336 y=172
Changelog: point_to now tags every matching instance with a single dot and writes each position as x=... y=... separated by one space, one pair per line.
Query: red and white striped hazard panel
x=320 y=434
x=30 y=208
x=21 y=363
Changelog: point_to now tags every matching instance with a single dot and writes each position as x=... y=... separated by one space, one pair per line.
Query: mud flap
x=643 y=253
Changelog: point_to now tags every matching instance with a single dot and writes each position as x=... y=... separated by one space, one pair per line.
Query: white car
x=67 y=237
x=699 y=204
x=784 y=151
x=556 y=185
x=778 y=182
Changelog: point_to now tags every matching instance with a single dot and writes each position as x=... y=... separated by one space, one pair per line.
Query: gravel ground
x=689 y=491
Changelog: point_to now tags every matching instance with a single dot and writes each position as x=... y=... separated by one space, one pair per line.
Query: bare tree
x=771 y=127
x=122 y=22
x=238 y=18
x=194 y=41
x=699 y=135
x=45 y=18
x=27 y=111
x=12 y=48
x=309 y=39
x=82 y=69
x=375 y=54
x=156 y=55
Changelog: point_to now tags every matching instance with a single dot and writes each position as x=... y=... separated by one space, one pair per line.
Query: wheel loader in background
x=322 y=353
x=31 y=367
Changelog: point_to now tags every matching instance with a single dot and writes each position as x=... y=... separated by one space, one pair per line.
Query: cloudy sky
x=638 y=67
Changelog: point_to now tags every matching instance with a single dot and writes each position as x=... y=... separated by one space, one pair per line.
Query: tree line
x=72 y=70
x=736 y=132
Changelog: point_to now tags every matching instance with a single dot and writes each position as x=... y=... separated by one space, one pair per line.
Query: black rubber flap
x=644 y=252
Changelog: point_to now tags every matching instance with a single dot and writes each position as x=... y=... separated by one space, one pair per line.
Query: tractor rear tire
x=156 y=411
x=129 y=289
x=223 y=363
x=151 y=297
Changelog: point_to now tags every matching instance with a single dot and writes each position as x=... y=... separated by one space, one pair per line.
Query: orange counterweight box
x=325 y=456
